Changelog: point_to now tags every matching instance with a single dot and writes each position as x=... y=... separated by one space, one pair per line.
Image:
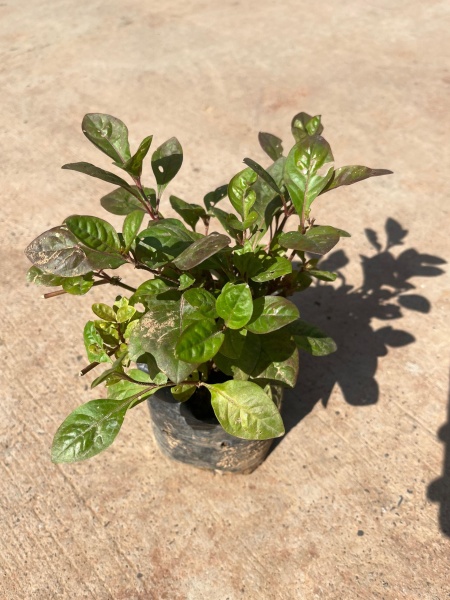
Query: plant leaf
x=245 y=410
x=199 y=342
x=200 y=301
x=93 y=171
x=94 y=233
x=191 y=213
x=166 y=162
x=271 y=313
x=352 y=174
x=200 y=250
x=212 y=198
x=133 y=166
x=38 y=277
x=233 y=343
x=78 y=286
x=158 y=333
x=131 y=226
x=267 y=200
x=277 y=360
x=181 y=393
x=271 y=144
x=57 y=251
x=121 y=202
x=94 y=344
x=104 y=260
x=273 y=268
x=108 y=134
x=265 y=175
x=241 y=196
x=323 y=275
x=105 y=312
x=311 y=339
x=304 y=125
x=317 y=240
x=235 y=305
x=242 y=366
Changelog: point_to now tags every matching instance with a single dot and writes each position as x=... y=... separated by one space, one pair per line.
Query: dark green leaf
x=235 y=305
x=304 y=125
x=191 y=213
x=212 y=198
x=166 y=162
x=241 y=196
x=133 y=166
x=108 y=134
x=131 y=226
x=323 y=275
x=224 y=219
x=78 y=286
x=88 y=169
x=277 y=360
x=122 y=202
x=271 y=313
x=242 y=366
x=104 y=260
x=181 y=393
x=273 y=268
x=94 y=233
x=265 y=175
x=233 y=343
x=38 y=277
x=303 y=171
x=246 y=224
x=245 y=410
x=268 y=201
x=149 y=289
x=317 y=240
x=199 y=342
x=311 y=338
x=162 y=241
x=125 y=388
x=58 y=252
x=352 y=174
x=271 y=144
x=201 y=250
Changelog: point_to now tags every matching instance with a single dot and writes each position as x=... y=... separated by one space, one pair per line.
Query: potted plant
x=209 y=337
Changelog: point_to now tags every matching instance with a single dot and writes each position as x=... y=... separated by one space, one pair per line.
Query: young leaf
x=149 y=289
x=303 y=125
x=271 y=144
x=186 y=280
x=245 y=410
x=271 y=313
x=265 y=175
x=78 y=286
x=317 y=240
x=166 y=162
x=200 y=250
x=311 y=339
x=302 y=171
x=94 y=233
x=89 y=430
x=241 y=196
x=246 y=224
x=199 y=342
x=94 y=344
x=105 y=312
x=92 y=171
x=202 y=301
x=57 y=251
x=323 y=275
x=181 y=393
x=352 y=174
x=131 y=226
x=133 y=166
x=268 y=201
x=191 y=213
x=122 y=202
x=125 y=313
x=212 y=198
x=235 y=305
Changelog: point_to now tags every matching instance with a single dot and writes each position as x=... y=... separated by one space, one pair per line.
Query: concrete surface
x=345 y=506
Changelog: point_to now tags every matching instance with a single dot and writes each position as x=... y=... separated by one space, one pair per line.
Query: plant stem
x=114 y=281
x=61 y=292
x=94 y=364
x=146 y=202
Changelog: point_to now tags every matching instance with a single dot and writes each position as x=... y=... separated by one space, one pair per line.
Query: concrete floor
x=354 y=501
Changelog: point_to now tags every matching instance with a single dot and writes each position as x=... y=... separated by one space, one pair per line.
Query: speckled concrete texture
x=354 y=502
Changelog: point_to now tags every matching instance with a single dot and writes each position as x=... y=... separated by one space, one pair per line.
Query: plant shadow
x=347 y=313
x=439 y=489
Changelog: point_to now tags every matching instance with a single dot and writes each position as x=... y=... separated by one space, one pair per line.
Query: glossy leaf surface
x=94 y=233
x=245 y=410
x=317 y=240
x=93 y=171
x=166 y=161
x=241 y=196
x=108 y=134
x=271 y=313
x=131 y=226
x=133 y=165
x=271 y=144
x=122 y=202
x=199 y=342
x=311 y=339
x=200 y=250
x=78 y=286
x=191 y=213
x=265 y=175
x=235 y=305
x=58 y=252
x=352 y=174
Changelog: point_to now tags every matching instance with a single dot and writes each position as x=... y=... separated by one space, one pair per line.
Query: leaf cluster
x=211 y=301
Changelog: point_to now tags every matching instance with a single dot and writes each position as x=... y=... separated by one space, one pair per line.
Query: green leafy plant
x=210 y=303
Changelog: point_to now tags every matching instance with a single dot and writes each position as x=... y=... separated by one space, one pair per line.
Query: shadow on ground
x=347 y=313
x=439 y=490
